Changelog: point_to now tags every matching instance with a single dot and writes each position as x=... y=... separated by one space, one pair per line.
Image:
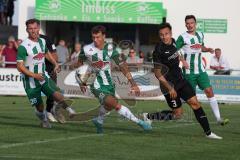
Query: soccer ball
x=85 y=75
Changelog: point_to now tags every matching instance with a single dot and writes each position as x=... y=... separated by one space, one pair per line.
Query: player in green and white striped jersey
x=99 y=55
x=31 y=63
x=192 y=45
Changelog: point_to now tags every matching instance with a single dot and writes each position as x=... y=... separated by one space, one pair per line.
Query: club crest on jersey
x=39 y=56
x=99 y=64
x=196 y=46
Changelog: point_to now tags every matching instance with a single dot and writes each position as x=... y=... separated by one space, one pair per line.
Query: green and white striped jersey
x=33 y=55
x=191 y=45
x=100 y=61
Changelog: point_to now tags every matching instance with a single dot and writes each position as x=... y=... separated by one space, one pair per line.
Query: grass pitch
x=22 y=138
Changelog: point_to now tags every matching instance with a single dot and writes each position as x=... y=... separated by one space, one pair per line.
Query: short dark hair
x=190 y=17
x=165 y=25
x=217 y=49
x=31 y=21
x=98 y=29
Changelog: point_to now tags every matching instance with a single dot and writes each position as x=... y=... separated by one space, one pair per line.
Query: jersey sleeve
x=21 y=54
x=180 y=42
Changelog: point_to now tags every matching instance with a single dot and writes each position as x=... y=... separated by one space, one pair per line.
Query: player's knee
x=110 y=103
x=58 y=97
x=209 y=92
x=195 y=104
x=40 y=107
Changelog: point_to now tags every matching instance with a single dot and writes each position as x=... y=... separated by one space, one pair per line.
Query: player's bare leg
x=111 y=103
x=201 y=117
x=214 y=106
x=61 y=104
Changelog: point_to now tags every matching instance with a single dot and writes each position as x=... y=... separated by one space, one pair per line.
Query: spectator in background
x=1 y=57
x=75 y=55
x=132 y=58
x=3 y=8
x=62 y=52
x=10 y=53
x=10 y=11
x=218 y=62
x=141 y=55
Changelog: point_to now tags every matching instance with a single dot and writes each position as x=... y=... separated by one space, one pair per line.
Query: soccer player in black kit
x=50 y=70
x=166 y=54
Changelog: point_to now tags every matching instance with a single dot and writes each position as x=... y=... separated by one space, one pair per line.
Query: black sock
x=202 y=119
x=49 y=103
x=163 y=115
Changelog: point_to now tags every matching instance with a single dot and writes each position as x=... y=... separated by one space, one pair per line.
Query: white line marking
x=53 y=140
x=83 y=136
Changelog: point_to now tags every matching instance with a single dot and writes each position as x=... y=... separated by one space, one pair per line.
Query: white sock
x=41 y=115
x=70 y=110
x=215 y=108
x=125 y=112
x=101 y=114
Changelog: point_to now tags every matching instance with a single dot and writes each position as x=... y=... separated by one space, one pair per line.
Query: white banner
x=147 y=82
x=10 y=82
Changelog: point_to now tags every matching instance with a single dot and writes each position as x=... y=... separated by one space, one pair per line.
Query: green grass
x=22 y=138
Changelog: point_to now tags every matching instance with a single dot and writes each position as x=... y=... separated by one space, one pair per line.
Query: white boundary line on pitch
x=82 y=136
x=53 y=140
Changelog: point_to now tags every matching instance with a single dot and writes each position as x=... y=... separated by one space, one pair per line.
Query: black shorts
x=184 y=92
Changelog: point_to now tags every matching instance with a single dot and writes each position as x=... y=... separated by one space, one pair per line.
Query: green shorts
x=34 y=94
x=201 y=80
x=102 y=92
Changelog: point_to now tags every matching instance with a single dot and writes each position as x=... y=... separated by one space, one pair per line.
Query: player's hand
x=173 y=93
x=185 y=64
x=38 y=76
x=57 y=68
x=135 y=89
x=211 y=50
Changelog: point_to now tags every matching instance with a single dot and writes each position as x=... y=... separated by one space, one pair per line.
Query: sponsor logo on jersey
x=99 y=64
x=39 y=56
x=174 y=56
x=196 y=46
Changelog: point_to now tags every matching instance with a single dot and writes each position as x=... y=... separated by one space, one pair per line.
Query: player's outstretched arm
x=164 y=82
x=21 y=68
x=205 y=49
x=50 y=58
x=124 y=69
